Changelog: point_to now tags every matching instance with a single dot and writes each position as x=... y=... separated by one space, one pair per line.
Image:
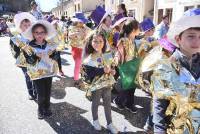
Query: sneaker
x=40 y=115
x=47 y=112
x=119 y=106
x=96 y=125
x=148 y=129
x=132 y=109
x=61 y=73
x=112 y=129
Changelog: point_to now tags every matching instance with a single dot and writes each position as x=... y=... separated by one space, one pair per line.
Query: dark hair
x=39 y=25
x=128 y=27
x=25 y=20
x=192 y=28
x=104 y=20
x=89 y=49
x=123 y=6
x=33 y=3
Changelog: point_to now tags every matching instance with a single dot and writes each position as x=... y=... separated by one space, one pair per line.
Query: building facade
x=174 y=8
x=70 y=7
x=139 y=9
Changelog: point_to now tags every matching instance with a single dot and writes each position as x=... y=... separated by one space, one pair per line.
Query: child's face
x=97 y=43
x=189 y=42
x=80 y=24
x=25 y=25
x=39 y=34
x=108 y=21
x=119 y=10
x=149 y=32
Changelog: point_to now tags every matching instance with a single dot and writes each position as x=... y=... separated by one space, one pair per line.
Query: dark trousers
x=59 y=61
x=43 y=87
x=126 y=97
x=159 y=117
x=29 y=83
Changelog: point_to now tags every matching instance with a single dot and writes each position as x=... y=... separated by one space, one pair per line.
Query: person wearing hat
x=175 y=81
x=162 y=29
x=103 y=22
x=42 y=69
x=34 y=11
x=18 y=45
x=151 y=50
x=77 y=34
x=148 y=42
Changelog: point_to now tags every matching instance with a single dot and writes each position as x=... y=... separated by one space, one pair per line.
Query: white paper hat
x=51 y=32
x=191 y=18
x=18 y=18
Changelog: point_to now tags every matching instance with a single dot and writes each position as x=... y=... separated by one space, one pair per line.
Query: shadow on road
x=67 y=119
x=59 y=85
x=137 y=120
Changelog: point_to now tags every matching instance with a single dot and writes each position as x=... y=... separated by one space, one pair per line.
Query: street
x=71 y=110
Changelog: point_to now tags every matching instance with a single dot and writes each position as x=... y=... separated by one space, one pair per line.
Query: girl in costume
x=44 y=67
x=98 y=76
x=18 y=46
x=77 y=35
x=126 y=52
x=175 y=81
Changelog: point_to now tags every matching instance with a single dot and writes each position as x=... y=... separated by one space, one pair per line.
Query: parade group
x=162 y=60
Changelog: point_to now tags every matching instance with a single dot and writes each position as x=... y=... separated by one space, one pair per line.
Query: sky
x=47 y=5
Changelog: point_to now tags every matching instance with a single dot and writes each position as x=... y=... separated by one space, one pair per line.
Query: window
x=79 y=7
x=75 y=8
x=169 y=11
x=188 y=7
x=121 y=1
x=131 y=13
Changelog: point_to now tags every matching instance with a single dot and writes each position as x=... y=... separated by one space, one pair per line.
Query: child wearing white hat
x=175 y=81
x=45 y=66
x=18 y=45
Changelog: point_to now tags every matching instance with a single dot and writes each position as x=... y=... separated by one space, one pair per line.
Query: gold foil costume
x=21 y=42
x=45 y=67
x=106 y=80
x=173 y=82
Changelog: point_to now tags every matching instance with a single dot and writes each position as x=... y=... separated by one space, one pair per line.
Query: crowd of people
x=161 y=60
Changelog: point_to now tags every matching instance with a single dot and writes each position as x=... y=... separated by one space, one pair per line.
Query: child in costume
x=44 y=66
x=148 y=41
x=175 y=81
x=60 y=40
x=151 y=51
x=98 y=76
x=18 y=46
x=77 y=35
x=127 y=52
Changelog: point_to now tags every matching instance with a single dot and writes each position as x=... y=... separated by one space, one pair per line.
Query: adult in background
x=35 y=12
x=162 y=29
x=121 y=9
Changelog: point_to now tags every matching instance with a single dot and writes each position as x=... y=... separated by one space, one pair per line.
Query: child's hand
x=107 y=69
x=40 y=55
x=27 y=49
x=113 y=72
